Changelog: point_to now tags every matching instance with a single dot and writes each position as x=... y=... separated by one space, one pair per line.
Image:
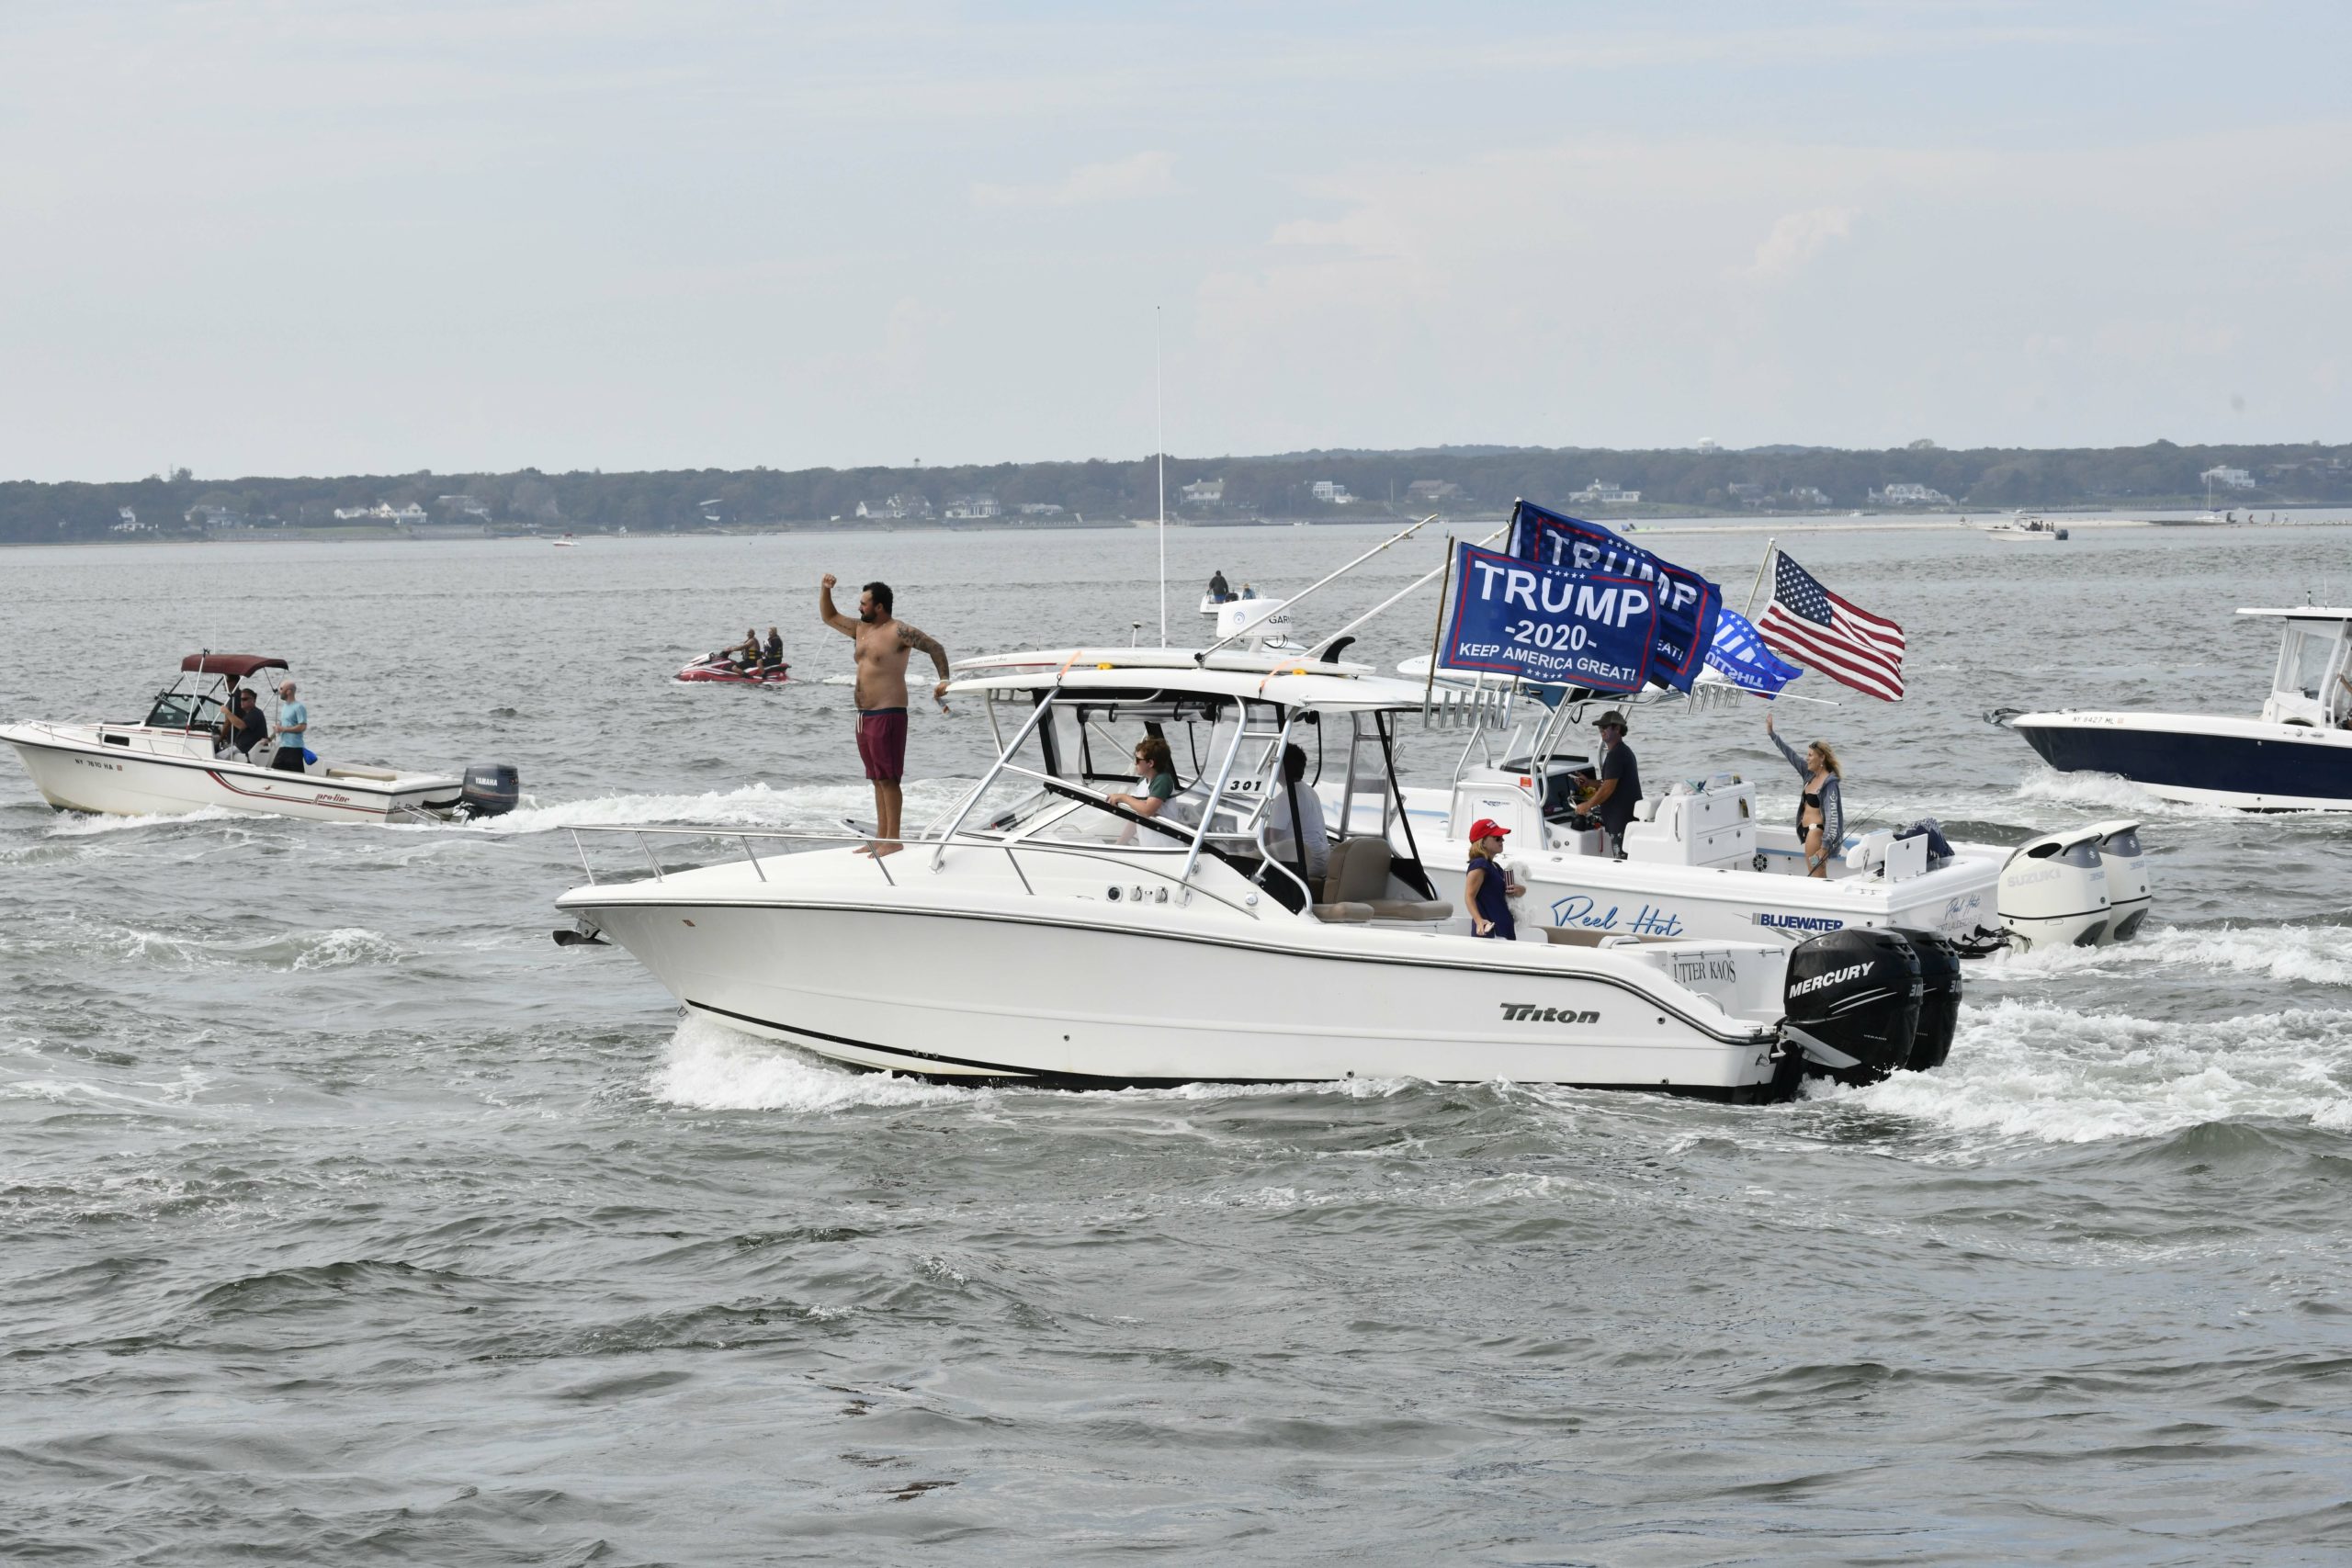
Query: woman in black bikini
x=1821 y=810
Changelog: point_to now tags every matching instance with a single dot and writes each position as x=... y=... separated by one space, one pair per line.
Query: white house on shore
x=1205 y=493
x=971 y=508
x=1910 y=495
x=1332 y=492
x=2228 y=479
x=1601 y=493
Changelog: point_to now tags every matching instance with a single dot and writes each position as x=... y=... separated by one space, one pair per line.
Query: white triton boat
x=1700 y=858
x=1045 y=931
x=2297 y=756
x=174 y=760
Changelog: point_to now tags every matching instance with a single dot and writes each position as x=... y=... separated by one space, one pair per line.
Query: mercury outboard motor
x=2127 y=878
x=2053 y=891
x=1852 y=1007
x=1939 y=997
x=491 y=790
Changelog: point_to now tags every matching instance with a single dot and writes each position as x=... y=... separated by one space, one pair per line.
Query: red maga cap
x=1487 y=828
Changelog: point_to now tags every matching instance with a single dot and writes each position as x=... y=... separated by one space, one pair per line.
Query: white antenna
x=1160 y=416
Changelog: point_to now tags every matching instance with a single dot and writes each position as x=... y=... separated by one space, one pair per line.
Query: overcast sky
x=325 y=236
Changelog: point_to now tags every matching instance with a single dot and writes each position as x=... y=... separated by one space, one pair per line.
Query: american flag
x=1822 y=632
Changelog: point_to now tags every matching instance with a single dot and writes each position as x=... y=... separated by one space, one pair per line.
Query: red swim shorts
x=882 y=743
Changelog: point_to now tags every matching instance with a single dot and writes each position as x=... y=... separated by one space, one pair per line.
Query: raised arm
x=923 y=642
x=827 y=613
x=1795 y=759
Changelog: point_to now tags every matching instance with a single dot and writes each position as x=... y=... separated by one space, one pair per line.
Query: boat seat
x=380 y=774
x=1358 y=876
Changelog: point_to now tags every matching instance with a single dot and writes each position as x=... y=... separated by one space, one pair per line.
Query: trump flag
x=1596 y=630
x=1686 y=603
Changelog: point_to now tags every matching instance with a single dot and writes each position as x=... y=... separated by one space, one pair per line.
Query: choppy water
x=348 y=1220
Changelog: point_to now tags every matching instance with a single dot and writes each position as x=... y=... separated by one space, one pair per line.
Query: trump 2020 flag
x=1548 y=624
x=1688 y=602
x=1739 y=656
x=1821 y=631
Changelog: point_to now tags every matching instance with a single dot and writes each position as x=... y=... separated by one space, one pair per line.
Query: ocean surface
x=348 y=1220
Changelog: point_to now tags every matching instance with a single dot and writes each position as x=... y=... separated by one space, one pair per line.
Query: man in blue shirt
x=293 y=730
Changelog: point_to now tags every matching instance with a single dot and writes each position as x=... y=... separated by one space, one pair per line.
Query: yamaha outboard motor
x=491 y=790
x=1853 y=1002
x=1939 y=999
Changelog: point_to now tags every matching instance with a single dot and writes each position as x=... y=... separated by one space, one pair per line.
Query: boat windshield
x=184 y=710
x=2308 y=656
x=1074 y=776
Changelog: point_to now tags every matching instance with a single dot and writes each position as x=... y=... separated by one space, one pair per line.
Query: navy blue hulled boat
x=2296 y=757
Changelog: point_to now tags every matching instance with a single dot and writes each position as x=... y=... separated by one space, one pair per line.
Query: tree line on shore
x=1454 y=480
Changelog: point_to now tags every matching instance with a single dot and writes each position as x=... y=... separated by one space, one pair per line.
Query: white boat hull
x=170 y=774
x=905 y=976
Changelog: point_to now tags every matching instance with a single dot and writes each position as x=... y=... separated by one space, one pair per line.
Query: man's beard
x=870 y=613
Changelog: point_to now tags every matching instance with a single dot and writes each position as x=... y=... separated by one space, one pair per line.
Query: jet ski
x=718 y=670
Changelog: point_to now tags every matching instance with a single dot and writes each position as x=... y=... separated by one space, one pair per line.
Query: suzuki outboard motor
x=2053 y=891
x=1939 y=999
x=491 y=790
x=2127 y=877
x=1853 y=1002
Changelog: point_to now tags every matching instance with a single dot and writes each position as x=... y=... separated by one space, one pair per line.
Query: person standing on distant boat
x=883 y=643
x=293 y=730
x=1218 y=591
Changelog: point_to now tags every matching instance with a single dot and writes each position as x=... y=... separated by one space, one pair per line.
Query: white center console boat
x=1701 y=859
x=177 y=760
x=1045 y=931
x=2296 y=756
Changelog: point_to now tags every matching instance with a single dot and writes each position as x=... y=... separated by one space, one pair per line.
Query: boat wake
x=2109 y=792
x=80 y=825
x=342 y=947
x=711 y=1067
x=2315 y=954
x=2037 y=1071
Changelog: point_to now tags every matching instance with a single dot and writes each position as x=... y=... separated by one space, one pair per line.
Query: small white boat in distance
x=566 y=542
x=171 y=763
x=2026 y=531
x=2296 y=756
x=1059 y=935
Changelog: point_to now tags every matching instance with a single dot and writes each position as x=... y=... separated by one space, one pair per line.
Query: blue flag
x=1546 y=623
x=1739 y=654
x=1688 y=602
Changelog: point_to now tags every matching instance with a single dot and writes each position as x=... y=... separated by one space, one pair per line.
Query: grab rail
x=1126 y=861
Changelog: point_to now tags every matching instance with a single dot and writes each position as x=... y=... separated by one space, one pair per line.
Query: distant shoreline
x=1734 y=522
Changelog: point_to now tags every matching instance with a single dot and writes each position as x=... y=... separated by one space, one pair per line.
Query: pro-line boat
x=173 y=762
x=2296 y=756
x=1041 y=930
x=1700 y=859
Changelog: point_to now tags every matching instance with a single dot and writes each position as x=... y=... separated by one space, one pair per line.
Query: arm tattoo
x=924 y=642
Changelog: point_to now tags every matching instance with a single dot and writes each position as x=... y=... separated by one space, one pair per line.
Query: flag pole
x=1160 y=439
x=1770 y=546
x=1437 y=632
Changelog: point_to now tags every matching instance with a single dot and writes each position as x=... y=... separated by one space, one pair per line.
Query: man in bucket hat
x=1488 y=888
x=1619 y=786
